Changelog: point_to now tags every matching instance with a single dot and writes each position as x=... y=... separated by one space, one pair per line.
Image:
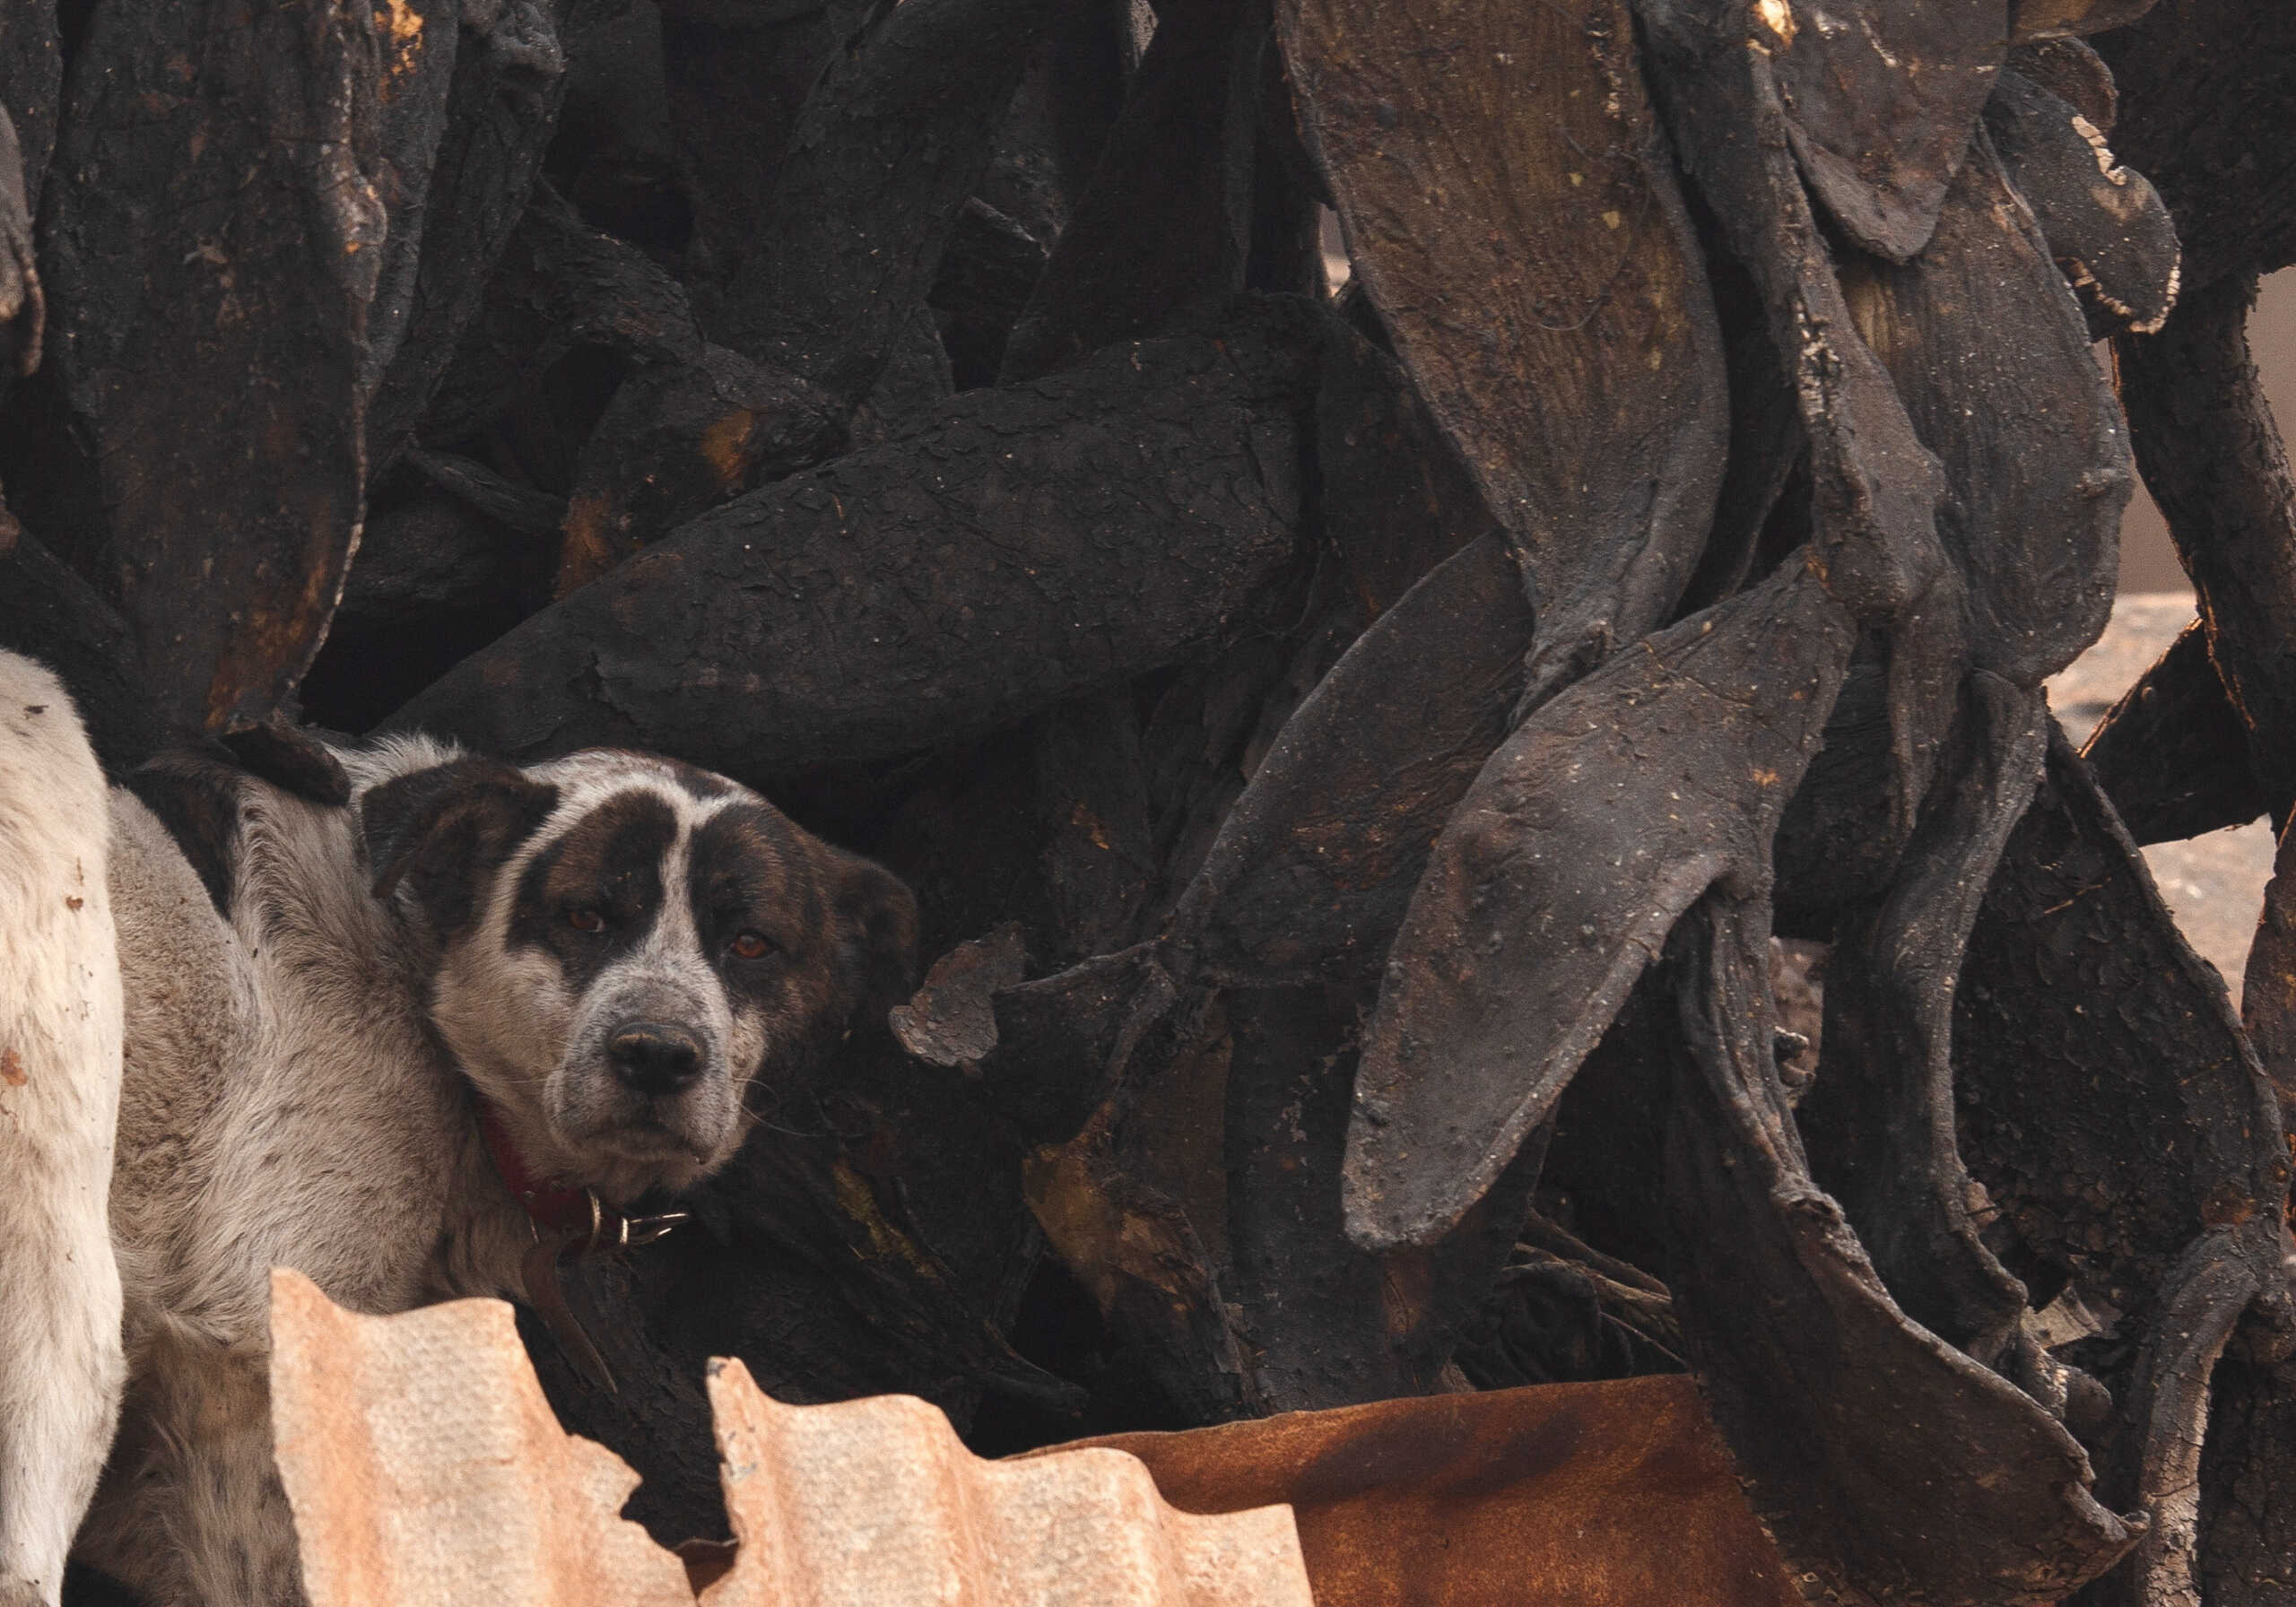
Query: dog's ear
x=877 y=932
x=441 y=832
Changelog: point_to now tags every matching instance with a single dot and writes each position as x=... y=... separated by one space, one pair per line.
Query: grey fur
x=297 y=1091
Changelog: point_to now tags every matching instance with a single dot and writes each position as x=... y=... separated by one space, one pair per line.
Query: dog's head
x=623 y=944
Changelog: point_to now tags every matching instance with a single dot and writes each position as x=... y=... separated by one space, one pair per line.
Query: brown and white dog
x=329 y=1009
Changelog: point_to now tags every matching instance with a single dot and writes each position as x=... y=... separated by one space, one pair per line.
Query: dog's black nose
x=652 y=1058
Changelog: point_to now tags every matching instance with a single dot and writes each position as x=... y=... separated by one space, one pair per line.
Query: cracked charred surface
x=223 y=245
x=985 y=574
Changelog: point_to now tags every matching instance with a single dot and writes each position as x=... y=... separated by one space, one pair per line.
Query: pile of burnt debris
x=1354 y=751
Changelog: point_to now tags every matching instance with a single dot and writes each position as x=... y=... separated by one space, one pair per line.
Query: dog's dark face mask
x=624 y=944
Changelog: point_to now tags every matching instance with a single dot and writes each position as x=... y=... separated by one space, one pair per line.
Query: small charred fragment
x=983 y=283
x=1913 y=1474
x=1880 y=100
x=1161 y=224
x=892 y=142
x=210 y=242
x=983 y=577
x=1510 y=206
x=559 y=285
x=1605 y=817
x=2028 y=435
x=2214 y=460
x=2105 y=225
x=2173 y=753
x=677 y=439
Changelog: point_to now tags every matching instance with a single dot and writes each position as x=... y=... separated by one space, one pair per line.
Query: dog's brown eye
x=751 y=945
x=585 y=920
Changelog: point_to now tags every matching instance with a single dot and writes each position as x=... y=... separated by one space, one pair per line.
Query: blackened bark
x=559 y=285
x=987 y=571
x=2173 y=753
x=1915 y=1474
x=509 y=80
x=212 y=264
x=2105 y=224
x=1165 y=220
x=891 y=143
x=2213 y=459
x=1879 y=99
x=2208 y=114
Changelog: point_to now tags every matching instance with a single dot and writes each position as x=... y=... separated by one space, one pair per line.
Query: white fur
x=60 y=1366
x=292 y=1084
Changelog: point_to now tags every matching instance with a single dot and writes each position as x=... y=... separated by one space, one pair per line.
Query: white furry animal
x=344 y=1022
x=59 y=1089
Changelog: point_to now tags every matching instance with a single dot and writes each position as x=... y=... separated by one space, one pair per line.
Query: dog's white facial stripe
x=600 y=922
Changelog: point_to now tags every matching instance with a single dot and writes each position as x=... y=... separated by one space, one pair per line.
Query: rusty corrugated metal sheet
x=425 y=1470
x=425 y=1467
x=1599 y=1495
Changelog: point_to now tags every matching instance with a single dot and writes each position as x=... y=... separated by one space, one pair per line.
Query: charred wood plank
x=983 y=577
x=212 y=251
